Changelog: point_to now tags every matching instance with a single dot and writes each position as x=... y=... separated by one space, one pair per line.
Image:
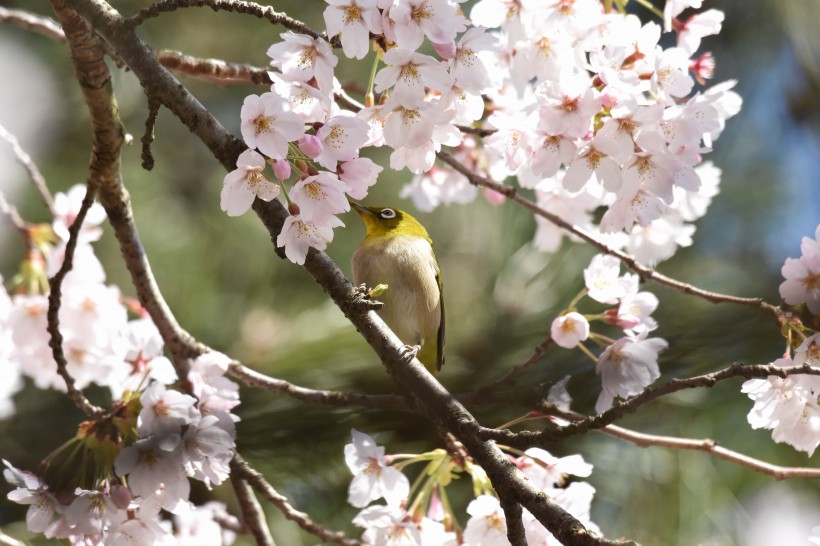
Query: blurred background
x=228 y=288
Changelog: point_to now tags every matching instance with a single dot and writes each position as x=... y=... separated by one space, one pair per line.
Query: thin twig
x=234 y=6
x=243 y=470
x=482 y=392
x=230 y=522
x=148 y=136
x=252 y=514
x=28 y=164
x=53 y=315
x=14 y=218
x=35 y=23
x=214 y=70
x=630 y=405
x=630 y=261
x=710 y=446
x=253 y=378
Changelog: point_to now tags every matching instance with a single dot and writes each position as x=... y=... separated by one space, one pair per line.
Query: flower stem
x=648 y=5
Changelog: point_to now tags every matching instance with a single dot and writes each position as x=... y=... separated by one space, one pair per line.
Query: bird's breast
x=412 y=303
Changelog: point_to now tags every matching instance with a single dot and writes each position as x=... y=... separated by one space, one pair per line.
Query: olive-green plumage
x=398 y=252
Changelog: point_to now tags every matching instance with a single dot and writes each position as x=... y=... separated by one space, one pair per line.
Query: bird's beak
x=358 y=208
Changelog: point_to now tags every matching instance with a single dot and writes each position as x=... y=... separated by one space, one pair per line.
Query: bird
x=397 y=251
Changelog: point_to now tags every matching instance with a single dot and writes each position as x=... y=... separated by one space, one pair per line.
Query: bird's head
x=389 y=222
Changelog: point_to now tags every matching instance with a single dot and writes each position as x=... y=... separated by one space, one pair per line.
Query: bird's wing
x=440 y=344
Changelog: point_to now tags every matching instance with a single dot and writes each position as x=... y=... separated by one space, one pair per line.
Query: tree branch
x=36 y=23
x=526 y=439
x=53 y=314
x=104 y=175
x=28 y=164
x=234 y=6
x=252 y=514
x=214 y=70
x=710 y=446
x=515 y=525
x=484 y=391
x=253 y=378
x=243 y=471
x=630 y=261
x=448 y=412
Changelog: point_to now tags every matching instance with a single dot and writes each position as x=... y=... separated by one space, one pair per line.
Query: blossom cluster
x=426 y=516
x=789 y=406
x=626 y=365
x=174 y=437
x=581 y=105
x=155 y=438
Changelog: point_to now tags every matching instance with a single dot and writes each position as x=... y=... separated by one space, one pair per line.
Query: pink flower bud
x=610 y=101
x=311 y=146
x=446 y=51
x=281 y=169
x=121 y=496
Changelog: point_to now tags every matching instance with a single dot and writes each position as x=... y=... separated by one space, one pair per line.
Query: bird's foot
x=361 y=300
x=411 y=351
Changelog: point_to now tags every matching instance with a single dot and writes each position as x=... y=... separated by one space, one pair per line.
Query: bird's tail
x=428 y=355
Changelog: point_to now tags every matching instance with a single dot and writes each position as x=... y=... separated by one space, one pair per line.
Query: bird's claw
x=361 y=300
x=411 y=351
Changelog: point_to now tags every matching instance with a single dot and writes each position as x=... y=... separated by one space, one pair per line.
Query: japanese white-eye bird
x=398 y=252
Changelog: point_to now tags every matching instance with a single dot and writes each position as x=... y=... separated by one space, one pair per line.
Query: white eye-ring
x=387 y=214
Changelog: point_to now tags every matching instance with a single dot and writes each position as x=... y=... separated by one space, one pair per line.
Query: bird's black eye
x=387 y=214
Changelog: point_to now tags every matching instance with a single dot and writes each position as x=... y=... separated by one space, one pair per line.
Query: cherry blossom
x=408 y=73
x=359 y=174
x=602 y=279
x=700 y=25
x=268 y=126
x=246 y=183
x=372 y=477
x=802 y=284
x=569 y=330
x=354 y=20
x=387 y=526
x=304 y=58
x=164 y=411
x=547 y=471
x=438 y=186
x=787 y=406
x=627 y=367
x=341 y=138
x=299 y=235
x=67 y=206
x=486 y=526
x=43 y=506
x=438 y=20
x=320 y=197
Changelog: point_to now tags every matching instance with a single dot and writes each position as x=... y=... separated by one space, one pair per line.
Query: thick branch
x=104 y=174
